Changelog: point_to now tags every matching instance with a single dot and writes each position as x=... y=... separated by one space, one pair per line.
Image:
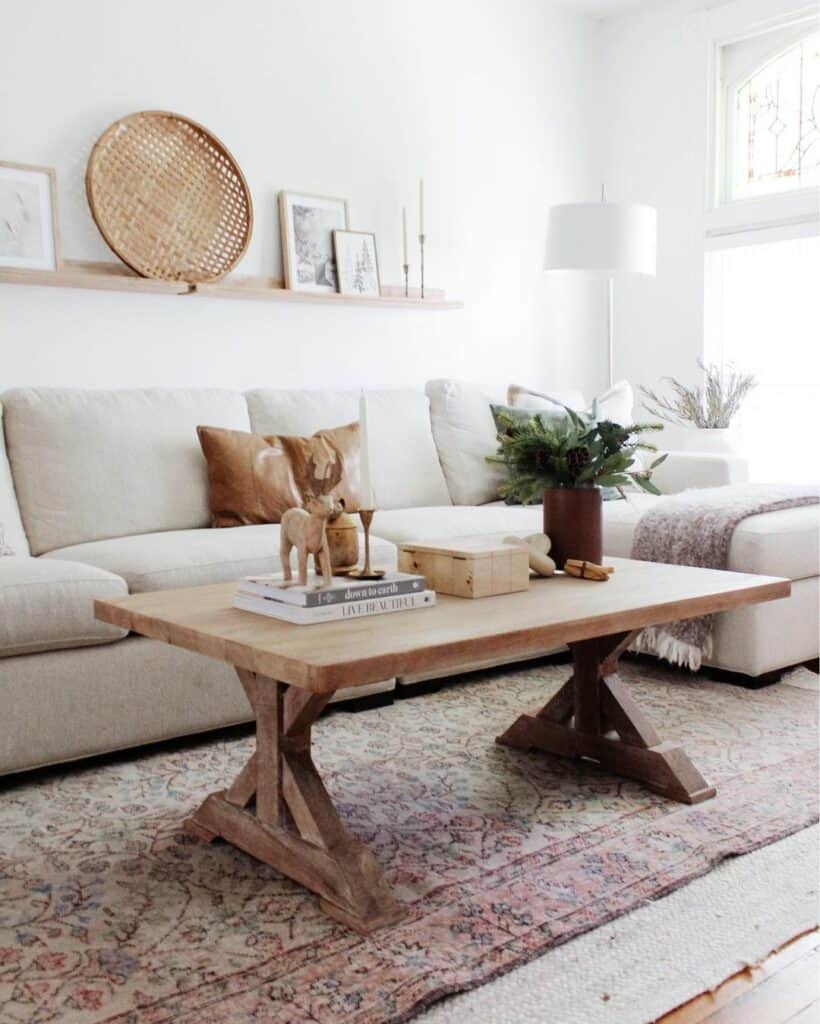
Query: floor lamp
x=603 y=240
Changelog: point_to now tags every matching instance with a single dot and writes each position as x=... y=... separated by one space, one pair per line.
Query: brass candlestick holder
x=367 y=572
x=421 y=251
x=406 y=269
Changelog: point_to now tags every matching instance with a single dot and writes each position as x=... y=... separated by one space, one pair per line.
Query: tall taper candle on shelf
x=406 y=264
x=367 y=500
x=421 y=232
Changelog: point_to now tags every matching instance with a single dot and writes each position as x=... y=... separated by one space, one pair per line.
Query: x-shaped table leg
x=294 y=826
x=594 y=717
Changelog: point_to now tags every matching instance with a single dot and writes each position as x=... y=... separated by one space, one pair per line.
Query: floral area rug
x=110 y=912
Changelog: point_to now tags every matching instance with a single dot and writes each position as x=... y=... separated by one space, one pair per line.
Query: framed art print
x=357 y=265
x=29 y=236
x=307 y=224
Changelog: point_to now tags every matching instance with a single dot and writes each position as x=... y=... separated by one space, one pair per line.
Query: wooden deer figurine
x=304 y=528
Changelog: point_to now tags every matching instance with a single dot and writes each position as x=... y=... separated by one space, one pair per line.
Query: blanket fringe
x=663 y=644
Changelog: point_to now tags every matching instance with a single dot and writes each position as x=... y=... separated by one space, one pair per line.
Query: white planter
x=716 y=440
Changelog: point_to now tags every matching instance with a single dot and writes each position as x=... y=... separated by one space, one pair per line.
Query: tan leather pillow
x=255 y=479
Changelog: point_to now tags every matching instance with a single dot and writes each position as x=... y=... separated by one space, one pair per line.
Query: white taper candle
x=421 y=206
x=404 y=230
x=366 y=498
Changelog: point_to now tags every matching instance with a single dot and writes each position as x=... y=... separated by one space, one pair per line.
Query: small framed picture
x=357 y=263
x=29 y=234
x=307 y=224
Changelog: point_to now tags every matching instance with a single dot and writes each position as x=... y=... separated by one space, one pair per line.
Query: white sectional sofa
x=102 y=493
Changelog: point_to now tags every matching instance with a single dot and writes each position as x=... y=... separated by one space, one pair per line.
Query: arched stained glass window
x=774 y=122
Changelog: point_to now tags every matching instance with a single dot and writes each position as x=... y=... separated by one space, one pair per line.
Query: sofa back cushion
x=88 y=465
x=403 y=461
x=465 y=435
x=12 y=535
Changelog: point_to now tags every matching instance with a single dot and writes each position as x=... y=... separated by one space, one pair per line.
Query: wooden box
x=467 y=566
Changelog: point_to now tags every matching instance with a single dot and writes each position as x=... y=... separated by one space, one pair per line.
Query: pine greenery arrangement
x=571 y=451
x=712 y=407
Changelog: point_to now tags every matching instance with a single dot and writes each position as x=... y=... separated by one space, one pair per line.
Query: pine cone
x=577 y=459
x=613 y=435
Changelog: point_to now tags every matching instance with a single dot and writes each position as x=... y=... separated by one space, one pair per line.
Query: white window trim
x=755 y=219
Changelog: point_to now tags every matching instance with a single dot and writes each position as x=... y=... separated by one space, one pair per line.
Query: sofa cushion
x=12 y=535
x=457 y=521
x=94 y=464
x=46 y=605
x=784 y=543
x=620 y=519
x=190 y=558
x=403 y=459
x=255 y=479
x=465 y=434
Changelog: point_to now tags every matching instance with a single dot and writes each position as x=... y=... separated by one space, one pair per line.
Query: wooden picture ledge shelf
x=271 y=290
x=107 y=277
x=118 y=278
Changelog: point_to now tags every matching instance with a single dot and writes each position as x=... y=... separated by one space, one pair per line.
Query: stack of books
x=343 y=599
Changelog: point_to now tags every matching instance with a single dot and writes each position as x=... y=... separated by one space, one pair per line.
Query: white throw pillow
x=614 y=404
x=465 y=434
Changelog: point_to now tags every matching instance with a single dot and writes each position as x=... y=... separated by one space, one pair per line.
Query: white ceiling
x=604 y=8
x=612 y=8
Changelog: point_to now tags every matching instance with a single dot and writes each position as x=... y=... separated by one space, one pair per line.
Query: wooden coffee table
x=278 y=809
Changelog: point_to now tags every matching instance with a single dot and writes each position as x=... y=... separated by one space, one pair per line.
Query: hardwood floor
x=783 y=989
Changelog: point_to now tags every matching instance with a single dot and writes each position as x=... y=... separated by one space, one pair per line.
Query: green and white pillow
x=615 y=404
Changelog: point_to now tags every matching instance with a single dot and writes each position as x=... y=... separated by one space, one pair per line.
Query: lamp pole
x=610 y=313
x=610 y=322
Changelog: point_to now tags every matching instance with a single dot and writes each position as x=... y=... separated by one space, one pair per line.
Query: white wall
x=494 y=104
x=656 y=66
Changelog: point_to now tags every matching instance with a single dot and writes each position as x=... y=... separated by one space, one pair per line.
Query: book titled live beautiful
x=340 y=591
x=327 y=613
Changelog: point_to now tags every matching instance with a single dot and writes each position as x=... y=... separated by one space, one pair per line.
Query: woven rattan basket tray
x=169 y=198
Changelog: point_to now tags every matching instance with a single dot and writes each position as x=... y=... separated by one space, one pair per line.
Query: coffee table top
x=455 y=633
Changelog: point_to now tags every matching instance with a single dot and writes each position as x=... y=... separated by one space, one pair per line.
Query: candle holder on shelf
x=406 y=269
x=366 y=572
x=421 y=250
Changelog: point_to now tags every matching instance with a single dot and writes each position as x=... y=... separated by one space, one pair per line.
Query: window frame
x=749 y=219
x=727 y=167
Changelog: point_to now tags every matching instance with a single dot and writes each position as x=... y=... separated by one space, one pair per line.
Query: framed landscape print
x=357 y=265
x=29 y=238
x=307 y=224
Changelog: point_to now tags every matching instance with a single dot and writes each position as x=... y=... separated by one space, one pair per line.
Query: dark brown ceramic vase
x=573 y=520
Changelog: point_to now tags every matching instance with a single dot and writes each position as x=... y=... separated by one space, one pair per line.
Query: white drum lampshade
x=603 y=240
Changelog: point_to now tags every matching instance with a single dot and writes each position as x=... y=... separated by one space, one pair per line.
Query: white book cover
x=341 y=588
x=330 y=612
